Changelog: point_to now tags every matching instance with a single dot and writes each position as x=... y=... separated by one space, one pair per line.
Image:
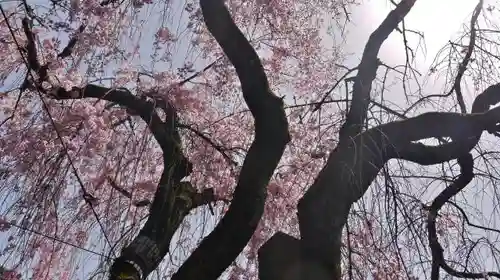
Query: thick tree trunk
x=352 y=167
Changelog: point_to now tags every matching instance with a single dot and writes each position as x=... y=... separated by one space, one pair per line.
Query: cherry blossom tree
x=9 y=274
x=177 y=138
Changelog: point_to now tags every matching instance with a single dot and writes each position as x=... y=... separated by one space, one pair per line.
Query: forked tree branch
x=462 y=67
x=352 y=167
x=358 y=158
x=169 y=207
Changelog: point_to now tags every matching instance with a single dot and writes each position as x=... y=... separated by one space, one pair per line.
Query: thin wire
x=55 y=239
x=46 y=108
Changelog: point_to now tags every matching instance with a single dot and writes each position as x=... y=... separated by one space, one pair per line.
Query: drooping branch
x=169 y=206
x=119 y=189
x=367 y=71
x=462 y=67
x=199 y=73
x=358 y=158
x=466 y=163
x=127 y=194
x=457 y=87
x=221 y=247
x=326 y=94
x=68 y=50
x=467 y=221
x=147 y=250
x=124 y=98
x=221 y=149
x=353 y=166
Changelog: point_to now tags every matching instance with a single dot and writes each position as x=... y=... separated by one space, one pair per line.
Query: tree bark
x=221 y=247
x=359 y=156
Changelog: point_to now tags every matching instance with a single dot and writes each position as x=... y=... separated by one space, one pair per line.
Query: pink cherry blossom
x=57 y=151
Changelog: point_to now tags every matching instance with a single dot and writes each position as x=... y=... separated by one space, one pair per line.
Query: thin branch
x=221 y=149
x=326 y=94
x=71 y=44
x=197 y=74
x=13 y=110
x=367 y=71
x=353 y=166
x=461 y=68
x=463 y=65
x=121 y=190
x=466 y=163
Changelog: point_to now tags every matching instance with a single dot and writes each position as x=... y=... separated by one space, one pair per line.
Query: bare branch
x=367 y=71
x=353 y=166
x=197 y=74
x=221 y=149
x=463 y=65
x=457 y=88
x=121 y=190
x=71 y=44
x=466 y=165
x=325 y=96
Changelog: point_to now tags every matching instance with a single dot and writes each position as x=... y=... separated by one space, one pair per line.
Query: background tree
x=84 y=169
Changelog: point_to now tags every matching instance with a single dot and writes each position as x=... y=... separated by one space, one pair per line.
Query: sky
x=440 y=21
x=432 y=18
x=427 y=16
